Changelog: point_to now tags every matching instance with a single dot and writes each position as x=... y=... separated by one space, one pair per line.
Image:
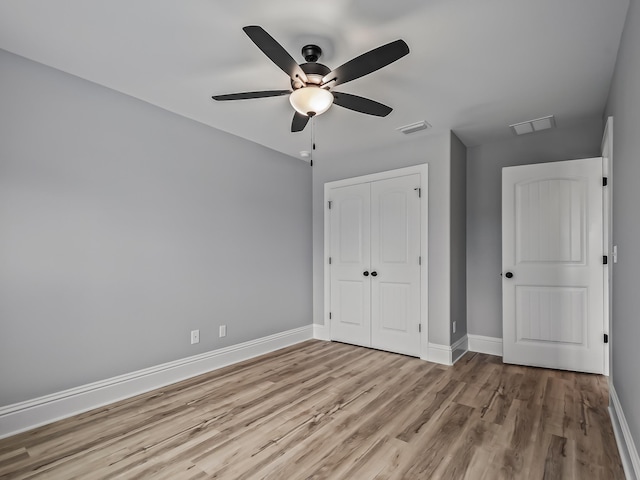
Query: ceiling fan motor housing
x=314 y=71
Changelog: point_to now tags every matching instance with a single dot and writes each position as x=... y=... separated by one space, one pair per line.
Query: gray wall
x=433 y=149
x=624 y=105
x=484 y=209
x=458 y=238
x=123 y=227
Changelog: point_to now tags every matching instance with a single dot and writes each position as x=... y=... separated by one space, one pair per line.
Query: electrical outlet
x=223 y=331
x=454 y=327
x=195 y=336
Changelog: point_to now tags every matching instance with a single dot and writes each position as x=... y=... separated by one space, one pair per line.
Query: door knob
x=365 y=273
x=508 y=275
x=374 y=274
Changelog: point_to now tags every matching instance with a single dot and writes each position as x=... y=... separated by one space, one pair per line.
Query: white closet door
x=350 y=256
x=395 y=267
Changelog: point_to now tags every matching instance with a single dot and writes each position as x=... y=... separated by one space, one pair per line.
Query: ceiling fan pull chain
x=313 y=138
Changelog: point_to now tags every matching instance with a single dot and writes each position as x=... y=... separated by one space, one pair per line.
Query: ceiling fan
x=311 y=82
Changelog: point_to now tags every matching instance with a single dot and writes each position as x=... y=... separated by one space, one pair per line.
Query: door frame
x=422 y=169
x=606 y=150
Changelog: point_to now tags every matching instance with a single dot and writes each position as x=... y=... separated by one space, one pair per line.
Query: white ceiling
x=475 y=66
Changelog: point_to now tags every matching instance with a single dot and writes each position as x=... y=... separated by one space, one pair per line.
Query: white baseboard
x=626 y=445
x=437 y=353
x=321 y=332
x=23 y=416
x=461 y=346
x=482 y=344
x=443 y=354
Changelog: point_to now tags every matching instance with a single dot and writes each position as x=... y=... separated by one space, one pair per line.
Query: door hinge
x=329 y=315
x=329 y=202
x=420 y=327
x=329 y=260
x=420 y=260
x=605 y=181
x=419 y=190
x=606 y=338
x=605 y=260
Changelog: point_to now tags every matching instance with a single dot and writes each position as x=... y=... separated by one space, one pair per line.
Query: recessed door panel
x=551 y=223
x=392 y=306
x=551 y=315
x=393 y=217
x=349 y=302
x=350 y=213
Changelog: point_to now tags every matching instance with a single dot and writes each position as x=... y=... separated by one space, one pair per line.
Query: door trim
x=607 y=240
x=424 y=271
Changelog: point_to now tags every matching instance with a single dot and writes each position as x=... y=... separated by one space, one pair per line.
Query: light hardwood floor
x=328 y=410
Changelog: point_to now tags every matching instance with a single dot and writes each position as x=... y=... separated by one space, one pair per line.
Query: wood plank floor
x=328 y=410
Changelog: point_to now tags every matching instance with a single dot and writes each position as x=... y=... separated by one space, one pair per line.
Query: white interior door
x=552 y=258
x=395 y=267
x=350 y=258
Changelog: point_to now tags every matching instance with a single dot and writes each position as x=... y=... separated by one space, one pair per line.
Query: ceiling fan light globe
x=311 y=100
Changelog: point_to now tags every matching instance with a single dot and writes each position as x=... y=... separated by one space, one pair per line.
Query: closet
x=376 y=261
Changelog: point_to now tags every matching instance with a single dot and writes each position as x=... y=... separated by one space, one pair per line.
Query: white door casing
x=552 y=245
x=393 y=208
x=395 y=257
x=607 y=167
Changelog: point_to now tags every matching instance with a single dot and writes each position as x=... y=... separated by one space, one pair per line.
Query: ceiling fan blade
x=367 y=62
x=299 y=122
x=361 y=104
x=276 y=52
x=249 y=95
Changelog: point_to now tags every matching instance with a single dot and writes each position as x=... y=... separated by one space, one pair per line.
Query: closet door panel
x=395 y=257
x=350 y=256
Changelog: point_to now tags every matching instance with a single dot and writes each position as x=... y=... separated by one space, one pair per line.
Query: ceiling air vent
x=536 y=125
x=414 y=127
